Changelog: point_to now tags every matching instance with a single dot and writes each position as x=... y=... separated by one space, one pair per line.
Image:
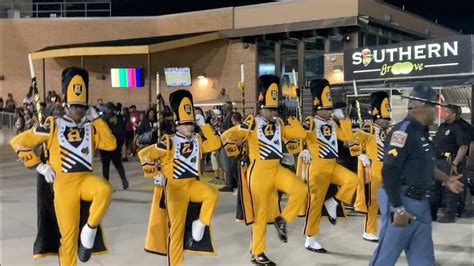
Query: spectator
x=216 y=160
x=29 y=119
x=51 y=102
x=100 y=106
x=223 y=96
x=228 y=112
x=236 y=118
x=135 y=116
x=129 y=134
x=19 y=120
x=58 y=110
x=232 y=167
x=167 y=126
x=117 y=126
x=118 y=109
x=216 y=120
x=230 y=164
x=1 y=104
x=148 y=127
x=10 y=104
x=27 y=101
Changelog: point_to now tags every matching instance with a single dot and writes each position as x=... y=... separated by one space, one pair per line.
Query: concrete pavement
x=126 y=221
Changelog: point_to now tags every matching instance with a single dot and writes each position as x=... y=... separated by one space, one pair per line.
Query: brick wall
x=331 y=62
x=20 y=36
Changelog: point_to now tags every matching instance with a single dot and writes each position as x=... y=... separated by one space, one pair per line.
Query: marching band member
x=321 y=153
x=372 y=138
x=71 y=141
x=265 y=175
x=184 y=193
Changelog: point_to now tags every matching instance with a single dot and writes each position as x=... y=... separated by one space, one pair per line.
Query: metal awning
x=126 y=47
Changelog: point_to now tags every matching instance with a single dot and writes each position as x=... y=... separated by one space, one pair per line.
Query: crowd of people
x=264 y=157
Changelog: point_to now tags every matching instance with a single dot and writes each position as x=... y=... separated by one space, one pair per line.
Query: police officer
x=407 y=176
x=467 y=165
x=450 y=147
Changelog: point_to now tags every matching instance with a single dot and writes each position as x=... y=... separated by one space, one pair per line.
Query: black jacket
x=117 y=126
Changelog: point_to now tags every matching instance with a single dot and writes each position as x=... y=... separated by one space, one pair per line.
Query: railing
x=7 y=122
x=57 y=10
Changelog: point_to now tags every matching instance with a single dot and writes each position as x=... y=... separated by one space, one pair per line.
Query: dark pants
x=231 y=169
x=232 y=176
x=437 y=195
x=441 y=196
x=115 y=156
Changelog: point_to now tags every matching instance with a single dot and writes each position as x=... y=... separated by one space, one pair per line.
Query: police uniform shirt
x=448 y=139
x=467 y=128
x=408 y=159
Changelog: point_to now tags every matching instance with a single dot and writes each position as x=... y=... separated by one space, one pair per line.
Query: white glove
x=306 y=155
x=91 y=114
x=365 y=160
x=159 y=179
x=47 y=171
x=338 y=113
x=200 y=120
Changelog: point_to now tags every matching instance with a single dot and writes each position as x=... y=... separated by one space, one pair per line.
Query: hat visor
x=424 y=100
x=270 y=106
x=382 y=117
x=186 y=122
x=77 y=103
x=339 y=105
x=325 y=108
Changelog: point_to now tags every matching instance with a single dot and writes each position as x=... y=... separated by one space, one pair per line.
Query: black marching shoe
x=317 y=250
x=125 y=184
x=261 y=259
x=280 y=225
x=84 y=253
x=333 y=221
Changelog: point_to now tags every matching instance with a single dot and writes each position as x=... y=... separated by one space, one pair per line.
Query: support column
x=44 y=80
x=149 y=78
x=301 y=78
x=472 y=103
x=278 y=59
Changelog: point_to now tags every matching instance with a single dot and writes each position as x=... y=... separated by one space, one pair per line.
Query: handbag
x=145 y=138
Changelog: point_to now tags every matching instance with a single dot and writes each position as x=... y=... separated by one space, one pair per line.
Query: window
x=314 y=57
x=266 y=57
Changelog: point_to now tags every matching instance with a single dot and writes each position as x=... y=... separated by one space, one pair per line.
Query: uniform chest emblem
x=326 y=131
x=186 y=149
x=447 y=132
x=74 y=135
x=269 y=131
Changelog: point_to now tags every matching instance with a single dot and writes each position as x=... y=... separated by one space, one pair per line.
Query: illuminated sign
x=441 y=56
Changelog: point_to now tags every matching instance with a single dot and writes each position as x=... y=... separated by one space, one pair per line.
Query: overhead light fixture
x=203 y=76
x=337 y=69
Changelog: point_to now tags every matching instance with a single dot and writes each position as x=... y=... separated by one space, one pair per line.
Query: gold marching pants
x=366 y=201
x=178 y=195
x=69 y=190
x=323 y=172
x=264 y=177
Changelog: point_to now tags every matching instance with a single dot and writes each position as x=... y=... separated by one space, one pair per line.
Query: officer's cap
x=423 y=93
